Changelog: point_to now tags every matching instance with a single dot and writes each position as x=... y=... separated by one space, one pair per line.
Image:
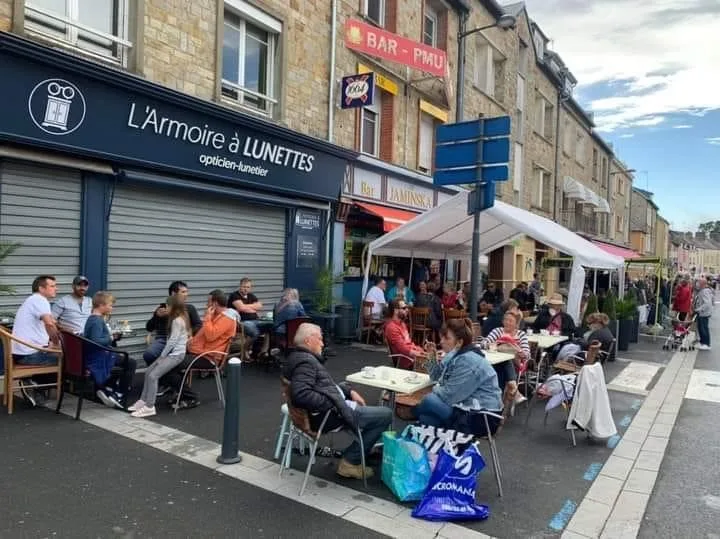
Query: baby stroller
x=682 y=335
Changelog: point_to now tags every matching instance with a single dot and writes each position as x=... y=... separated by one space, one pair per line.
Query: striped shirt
x=520 y=336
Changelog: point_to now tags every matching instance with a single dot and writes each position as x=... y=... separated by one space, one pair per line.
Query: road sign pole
x=475 y=256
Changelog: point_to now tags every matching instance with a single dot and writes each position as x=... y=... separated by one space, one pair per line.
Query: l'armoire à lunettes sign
x=96 y=118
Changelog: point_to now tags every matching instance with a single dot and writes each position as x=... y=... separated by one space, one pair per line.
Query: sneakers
x=29 y=392
x=135 y=407
x=703 y=347
x=145 y=411
x=353 y=471
x=186 y=404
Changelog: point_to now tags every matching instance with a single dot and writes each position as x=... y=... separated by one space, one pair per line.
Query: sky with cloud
x=650 y=73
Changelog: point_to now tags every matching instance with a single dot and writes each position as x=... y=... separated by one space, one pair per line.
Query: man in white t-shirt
x=34 y=324
x=377 y=296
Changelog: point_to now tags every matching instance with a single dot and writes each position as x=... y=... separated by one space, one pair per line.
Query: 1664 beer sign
x=358 y=90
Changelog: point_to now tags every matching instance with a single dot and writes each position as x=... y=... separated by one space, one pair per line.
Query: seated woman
x=449 y=297
x=288 y=308
x=112 y=390
x=466 y=384
x=599 y=331
x=516 y=340
x=401 y=291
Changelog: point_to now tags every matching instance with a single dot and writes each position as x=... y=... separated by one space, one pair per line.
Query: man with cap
x=553 y=318
x=73 y=310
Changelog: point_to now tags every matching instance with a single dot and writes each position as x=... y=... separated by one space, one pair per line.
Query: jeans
x=252 y=331
x=373 y=421
x=433 y=411
x=153 y=373
x=703 y=327
x=505 y=373
x=36 y=358
x=154 y=350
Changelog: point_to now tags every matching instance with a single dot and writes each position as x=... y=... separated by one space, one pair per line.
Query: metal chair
x=215 y=368
x=300 y=428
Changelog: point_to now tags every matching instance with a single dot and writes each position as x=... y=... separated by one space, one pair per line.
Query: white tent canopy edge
x=446 y=232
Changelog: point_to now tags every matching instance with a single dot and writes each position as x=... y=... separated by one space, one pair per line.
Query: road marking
x=704 y=386
x=560 y=520
x=592 y=471
x=635 y=378
x=377 y=514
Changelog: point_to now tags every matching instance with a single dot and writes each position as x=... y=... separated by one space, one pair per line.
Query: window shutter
x=442 y=30
x=518 y=167
x=391 y=15
x=426 y=134
x=520 y=102
x=387 y=112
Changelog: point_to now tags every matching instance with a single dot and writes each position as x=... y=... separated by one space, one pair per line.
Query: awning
x=573 y=189
x=616 y=250
x=603 y=206
x=392 y=218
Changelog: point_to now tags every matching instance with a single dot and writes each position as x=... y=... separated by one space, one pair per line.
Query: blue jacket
x=466 y=380
x=289 y=311
x=99 y=362
x=393 y=292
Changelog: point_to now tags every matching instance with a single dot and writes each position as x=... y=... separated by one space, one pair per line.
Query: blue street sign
x=481 y=198
x=459 y=176
x=472 y=151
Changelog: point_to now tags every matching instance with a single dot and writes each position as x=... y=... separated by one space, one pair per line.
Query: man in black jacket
x=313 y=389
x=553 y=318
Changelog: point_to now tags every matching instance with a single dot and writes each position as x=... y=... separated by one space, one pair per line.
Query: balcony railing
x=583 y=223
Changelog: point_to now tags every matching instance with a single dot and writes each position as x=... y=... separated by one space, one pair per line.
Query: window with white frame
x=523 y=55
x=489 y=65
x=426 y=137
x=542 y=193
x=250 y=44
x=370 y=126
x=518 y=167
x=430 y=26
x=99 y=27
x=375 y=11
x=543 y=116
x=568 y=137
x=539 y=45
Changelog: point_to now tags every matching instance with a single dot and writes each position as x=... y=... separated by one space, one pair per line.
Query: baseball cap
x=80 y=279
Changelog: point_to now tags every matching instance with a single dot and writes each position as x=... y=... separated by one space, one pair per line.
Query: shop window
x=250 y=45
x=426 y=137
x=370 y=127
x=97 y=27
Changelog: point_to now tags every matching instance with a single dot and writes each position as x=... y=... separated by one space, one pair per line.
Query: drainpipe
x=558 y=142
x=331 y=88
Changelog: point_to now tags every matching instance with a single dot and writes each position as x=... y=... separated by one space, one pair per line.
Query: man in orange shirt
x=398 y=336
x=218 y=329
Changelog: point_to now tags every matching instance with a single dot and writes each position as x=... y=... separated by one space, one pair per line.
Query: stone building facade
x=643 y=222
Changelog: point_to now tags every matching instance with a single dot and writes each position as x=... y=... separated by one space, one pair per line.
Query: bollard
x=231 y=425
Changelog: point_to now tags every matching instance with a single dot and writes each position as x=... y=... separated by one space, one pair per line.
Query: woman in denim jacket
x=466 y=384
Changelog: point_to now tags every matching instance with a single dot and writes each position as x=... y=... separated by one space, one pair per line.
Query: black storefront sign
x=307 y=224
x=127 y=124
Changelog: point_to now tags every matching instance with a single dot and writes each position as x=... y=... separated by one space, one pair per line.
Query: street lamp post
x=505 y=22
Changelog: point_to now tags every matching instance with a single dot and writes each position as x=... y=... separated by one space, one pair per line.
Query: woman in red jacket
x=683 y=300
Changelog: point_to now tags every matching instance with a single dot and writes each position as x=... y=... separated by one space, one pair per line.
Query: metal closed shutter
x=159 y=235
x=40 y=209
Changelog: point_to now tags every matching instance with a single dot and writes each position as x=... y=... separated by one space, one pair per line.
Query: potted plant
x=625 y=309
x=609 y=309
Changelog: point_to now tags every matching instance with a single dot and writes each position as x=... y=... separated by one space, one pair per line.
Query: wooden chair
x=75 y=350
x=369 y=324
x=573 y=364
x=419 y=318
x=300 y=427
x=450 y=314
x=14 y=373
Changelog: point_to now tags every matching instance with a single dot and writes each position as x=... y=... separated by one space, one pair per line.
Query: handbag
x=405 y=466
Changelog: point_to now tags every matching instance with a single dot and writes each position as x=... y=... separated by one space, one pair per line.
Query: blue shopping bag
x=451 y=493
x=405 y=466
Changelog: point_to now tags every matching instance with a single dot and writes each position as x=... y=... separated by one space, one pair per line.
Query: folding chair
x=490 y=437
x=15 y=373
x=300 y=428
x=216 y=369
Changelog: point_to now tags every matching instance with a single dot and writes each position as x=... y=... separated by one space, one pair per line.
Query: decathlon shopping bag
x=405 y=466
x=451 y=493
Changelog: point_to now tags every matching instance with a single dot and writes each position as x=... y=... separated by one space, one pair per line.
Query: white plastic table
x=497 y=357
x=546 y=341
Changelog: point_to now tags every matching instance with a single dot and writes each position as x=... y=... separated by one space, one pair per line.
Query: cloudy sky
x=650 y=72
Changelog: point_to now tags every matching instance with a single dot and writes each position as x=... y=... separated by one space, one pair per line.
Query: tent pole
x=412 y=260
x=595 y=282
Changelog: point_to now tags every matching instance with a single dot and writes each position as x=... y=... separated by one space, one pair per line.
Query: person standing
x=704 y=308
x=73 y=310
x=683 y=300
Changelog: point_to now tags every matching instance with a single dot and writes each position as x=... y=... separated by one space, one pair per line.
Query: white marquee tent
x=446 y=232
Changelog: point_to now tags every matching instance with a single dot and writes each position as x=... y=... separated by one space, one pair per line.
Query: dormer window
x=539 y=45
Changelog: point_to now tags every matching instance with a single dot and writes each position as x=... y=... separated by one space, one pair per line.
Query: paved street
x=686 y=498
x=549 y=485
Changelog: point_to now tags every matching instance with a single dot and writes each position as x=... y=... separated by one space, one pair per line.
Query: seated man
x=34 y=323
x=376 y=296
x=158 y=324
x=112 y=390
x=73 y=310
x=248 y=306
x=398 y=336
x=218 y=329
x=553 y=318
x=313 y=390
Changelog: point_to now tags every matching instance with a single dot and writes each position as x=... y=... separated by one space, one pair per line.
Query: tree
x=711 y=227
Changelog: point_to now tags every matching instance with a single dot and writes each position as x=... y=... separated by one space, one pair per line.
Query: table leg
x=391 y=400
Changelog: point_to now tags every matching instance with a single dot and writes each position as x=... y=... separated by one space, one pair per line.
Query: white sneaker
x=703 y=347
x=135 y=407
x=145 y=411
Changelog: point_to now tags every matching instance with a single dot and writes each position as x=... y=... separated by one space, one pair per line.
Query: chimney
x=715 y=236
x=688 y=235
x=700 y=236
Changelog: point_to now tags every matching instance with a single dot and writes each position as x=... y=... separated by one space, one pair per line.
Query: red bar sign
x=374 y=41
